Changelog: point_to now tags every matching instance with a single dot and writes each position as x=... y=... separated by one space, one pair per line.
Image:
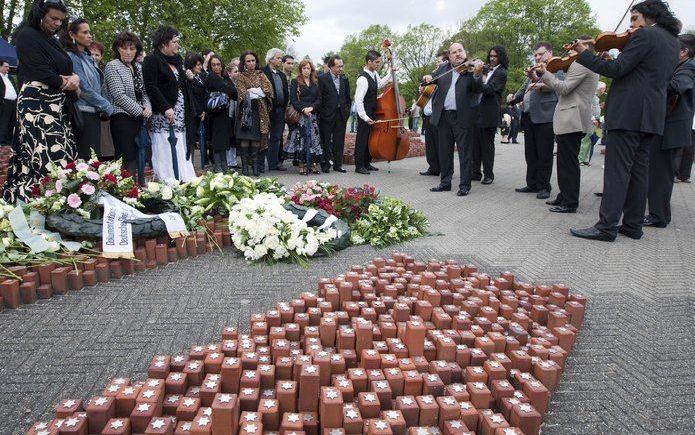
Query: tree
x=355 y=48
x=416 y=50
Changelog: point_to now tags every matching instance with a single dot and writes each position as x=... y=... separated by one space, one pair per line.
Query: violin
x=388 y=139
x=468 y=66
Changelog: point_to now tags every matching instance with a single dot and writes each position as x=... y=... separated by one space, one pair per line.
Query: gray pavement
x=631 y=370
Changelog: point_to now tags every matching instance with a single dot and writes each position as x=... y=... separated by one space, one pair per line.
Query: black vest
x=370 y=96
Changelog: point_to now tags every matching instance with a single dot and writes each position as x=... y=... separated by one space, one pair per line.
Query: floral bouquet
x=76 y=187
x=314 y=194
x=265 y=231
x=388 y=221
x=351 y=202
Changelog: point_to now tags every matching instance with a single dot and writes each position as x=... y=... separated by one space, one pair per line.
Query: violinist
x=635 y=114
x=677 y=131
x=453 y=109
x=539 y=105
x=366 y=90
x=431 y=135
x=571 y=121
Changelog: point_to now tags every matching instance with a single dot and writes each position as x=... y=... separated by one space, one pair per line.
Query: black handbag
x=217 y=101
x=76 y=118
x=248 y=127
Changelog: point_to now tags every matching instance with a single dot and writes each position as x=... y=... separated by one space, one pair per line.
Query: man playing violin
x=571 y=121
x=453 y=109
x=635 y=114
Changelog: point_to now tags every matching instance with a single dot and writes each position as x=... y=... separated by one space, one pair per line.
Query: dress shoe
x=526 y=189
x=341 y=170
x=543 y=194
x=429 y=173
x=651 y=222
x=562 y=209
x=441 y=188
x=486 y=180
x=295 y=162
x=514 y=141
x=476 y=177
x=326 y=169
x=592 y=233
x=371 y=167
x=463 y=191
x=279 y=168
x=627 y=233
x=362 y=171
x=554 y=202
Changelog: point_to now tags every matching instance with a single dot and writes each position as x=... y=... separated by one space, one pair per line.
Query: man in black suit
x=8 y=104
x=490 y=114
x=453 y=109
x=430 y=130
x=274 y=71
x=635 y=114
x=334 y=112
x=677 y=131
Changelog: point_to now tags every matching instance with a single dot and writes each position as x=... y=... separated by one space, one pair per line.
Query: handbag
x=217 y=101
x=292 y=115
x=76 y=117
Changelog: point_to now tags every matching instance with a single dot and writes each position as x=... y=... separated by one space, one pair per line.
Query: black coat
x=309 y=96
x=330 y=99
x=269 y=74
x=220 y=123
x=677 y=132
x=490 y=110
x=468 y=90
x=200 y=94
x=636 y=100
x=41 y=58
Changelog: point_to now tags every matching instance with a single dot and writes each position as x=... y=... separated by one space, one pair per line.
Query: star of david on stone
x=422 y=431
x=536 y=384
x=351 y=414
x=427 y=399
x=310 y=369
x=113 y=388
x=195 y=390
x=455 y=424
x=381 y=385
x=69 y=403
x=71 y=422
x=39 y=426
x=143 y=407
x=293 y=418
x=308 y=417
x=286 y=385
x=193 y=365
x=335 y=357
x=449 y=401
x=158 y=424
x=148 y=393
x=497 y=419
x=178 y=359
x=477 y=351
x=247 y=391
x=518 y=394
x=465 y=405
x=128 y=391
x=407 y=401
x=331 y=394
x=381 y=425
x=117 y=424
x=203 y=421
x=210 y=385
x=478 y=370
x=358 y=372
x=370 y=398
x=432 y=378
x=509 y=431
x=43 y=432
x=159 y=364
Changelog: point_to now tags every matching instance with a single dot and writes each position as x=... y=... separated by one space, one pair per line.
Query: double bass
x=388 y=139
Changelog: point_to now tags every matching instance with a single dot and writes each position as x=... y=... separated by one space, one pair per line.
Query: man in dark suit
x=489 y=114
x=677 y=131
x=8 y=104
x=453 y=109
x=429 y=129
x=539 y=106
x=334 y=112
x=274 y=71
x=635 y=114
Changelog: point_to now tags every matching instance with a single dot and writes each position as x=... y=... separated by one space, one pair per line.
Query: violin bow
x=624 y=15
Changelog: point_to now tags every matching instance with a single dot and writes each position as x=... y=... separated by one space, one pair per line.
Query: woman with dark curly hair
x=218 y=117
x=125 y=88
x=44 y=103
x=172 y=106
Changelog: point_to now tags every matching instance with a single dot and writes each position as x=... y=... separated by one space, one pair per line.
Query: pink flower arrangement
x=74 y=200
x=347 y=203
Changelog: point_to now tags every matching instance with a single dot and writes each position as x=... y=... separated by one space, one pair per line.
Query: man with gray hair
x=273 y=70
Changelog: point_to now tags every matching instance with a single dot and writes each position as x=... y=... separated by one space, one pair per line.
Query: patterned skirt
x=303 y=137
x=45 y=135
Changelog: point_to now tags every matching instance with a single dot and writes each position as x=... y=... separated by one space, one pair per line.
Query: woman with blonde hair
x=304 y=138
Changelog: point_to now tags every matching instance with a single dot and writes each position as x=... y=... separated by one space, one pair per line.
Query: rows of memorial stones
x=415 y=348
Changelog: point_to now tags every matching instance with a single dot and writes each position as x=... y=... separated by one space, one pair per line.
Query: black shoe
x=526 y=189
x=429 y=173
x=295 y=162
x=464 y=191
x=562 y=209
x=554 y=202
x=650 y=222
x=599 y=194
x=362 y=171
x=592 y=233
x=279 y=168
x=341 y=170
x=514 y=141
x=371 y=167
x=630 y=234
x=486 y=180
x=476 y=177
x=543 y=194
x=441 y=188
x=326 y=169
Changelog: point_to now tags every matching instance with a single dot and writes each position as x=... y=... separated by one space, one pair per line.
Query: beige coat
x=576 y=92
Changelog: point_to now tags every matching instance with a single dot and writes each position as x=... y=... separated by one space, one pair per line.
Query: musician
x=453 y=109
x=334 y=112
x=677 y=131
x=635 y=114
x=431 y=144
x=571 y=121
x=539 y=105
x=366 y=89
x=489 y=114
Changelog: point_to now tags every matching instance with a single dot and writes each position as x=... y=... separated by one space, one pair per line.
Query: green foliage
x=355 y=48
x=416 y=50
x=388 y=221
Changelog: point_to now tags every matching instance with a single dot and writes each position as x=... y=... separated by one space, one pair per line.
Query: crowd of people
x=235 y=111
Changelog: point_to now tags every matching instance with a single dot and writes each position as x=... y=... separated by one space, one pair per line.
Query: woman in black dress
x=218 y=117
x=47 y=93
x=196 y=79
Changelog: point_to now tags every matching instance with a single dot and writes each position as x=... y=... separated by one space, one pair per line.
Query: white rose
x=167 y=193
x=153 y=187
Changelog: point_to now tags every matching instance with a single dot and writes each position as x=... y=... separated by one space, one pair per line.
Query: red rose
x=45 y=180
x=134 y=192
x=35 y=190
x=95 y=164
x=125 y=173
x=111 y=178
x=70 y=165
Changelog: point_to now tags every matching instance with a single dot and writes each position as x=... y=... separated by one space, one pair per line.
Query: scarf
x=175 y=60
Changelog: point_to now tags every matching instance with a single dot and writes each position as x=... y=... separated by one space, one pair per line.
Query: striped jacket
x=120 y=89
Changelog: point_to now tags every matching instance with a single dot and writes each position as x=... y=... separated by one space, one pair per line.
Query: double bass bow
x=388 y=139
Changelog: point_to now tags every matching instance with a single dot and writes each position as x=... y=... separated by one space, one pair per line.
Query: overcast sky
x=330 y=21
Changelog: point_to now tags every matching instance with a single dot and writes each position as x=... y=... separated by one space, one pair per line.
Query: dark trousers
x=332 y=140
x=568 y=174
x=625 y=181
x=484 y=151
x=684 y=159
x=538 y=149
x=513 y=129
x=362 y=156
x=662 y=169
x=450 y=131
x=8 y=120
x=89 y=136
x=431 y=145
x=272 y=153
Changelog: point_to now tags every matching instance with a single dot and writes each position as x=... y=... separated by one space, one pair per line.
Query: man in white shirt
x=368 y=85
x=8 y=105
